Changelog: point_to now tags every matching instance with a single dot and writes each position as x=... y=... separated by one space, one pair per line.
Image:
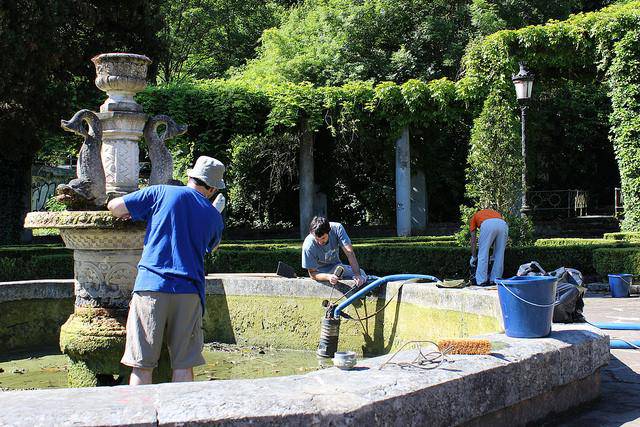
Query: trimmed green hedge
x=28 y=262
x=444 y=262
x=22 y=251
x=57 y=266
x=592 y=257
x=617 y=260
x=627 y=236
x=569 y=241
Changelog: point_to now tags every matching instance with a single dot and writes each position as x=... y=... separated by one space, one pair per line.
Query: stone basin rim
x=471 y=388
x=79 y=220
x=121 y=55
x=453 y=396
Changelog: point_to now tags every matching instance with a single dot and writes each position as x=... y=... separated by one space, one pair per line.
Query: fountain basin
x=521 y=380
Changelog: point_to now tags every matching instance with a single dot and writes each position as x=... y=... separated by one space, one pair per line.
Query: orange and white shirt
x=481 y=216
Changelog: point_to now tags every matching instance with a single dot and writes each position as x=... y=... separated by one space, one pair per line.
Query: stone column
x=121 y=132
x=307 y=187
x=403 y=185
x=418 y=202
x=121 y=76
x=320 y=203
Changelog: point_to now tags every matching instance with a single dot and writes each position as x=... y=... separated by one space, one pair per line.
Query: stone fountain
x=106 y=250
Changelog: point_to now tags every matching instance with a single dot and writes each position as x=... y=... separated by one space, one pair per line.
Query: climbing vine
x=603 y=44
x=360 y=118
x=624 y=80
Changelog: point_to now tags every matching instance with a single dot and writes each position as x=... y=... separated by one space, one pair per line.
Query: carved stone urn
x=106 y=250
x=121 y=76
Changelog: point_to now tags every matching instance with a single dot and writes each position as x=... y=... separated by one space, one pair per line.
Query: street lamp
x=523 y=81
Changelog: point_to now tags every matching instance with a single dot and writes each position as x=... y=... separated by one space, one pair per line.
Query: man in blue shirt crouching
x=168 y=296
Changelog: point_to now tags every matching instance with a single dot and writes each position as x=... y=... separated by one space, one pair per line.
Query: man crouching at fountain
x=168 y=296
x=320 y=253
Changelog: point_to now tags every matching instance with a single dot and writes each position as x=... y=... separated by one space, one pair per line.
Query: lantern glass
x=523 y=88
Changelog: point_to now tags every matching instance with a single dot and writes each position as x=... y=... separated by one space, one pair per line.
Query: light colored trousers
x=493 y=232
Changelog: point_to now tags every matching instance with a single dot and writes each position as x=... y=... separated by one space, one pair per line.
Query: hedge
x=627 y=236
x=616 y=260
x=444 y=262
x=58 y=266
x=570 y=241
x=30 y=263
x=27 y=251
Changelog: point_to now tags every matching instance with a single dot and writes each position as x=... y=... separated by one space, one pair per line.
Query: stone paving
x=619 y=404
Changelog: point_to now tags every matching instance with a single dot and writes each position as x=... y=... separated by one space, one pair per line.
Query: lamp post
x=523 y=82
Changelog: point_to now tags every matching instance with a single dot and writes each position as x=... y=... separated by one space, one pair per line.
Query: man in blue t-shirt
x=168 y=296
x=321 y=252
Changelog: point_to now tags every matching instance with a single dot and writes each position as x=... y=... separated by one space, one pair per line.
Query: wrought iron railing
x=573 y=202
x=618 y=201
x=41 y=191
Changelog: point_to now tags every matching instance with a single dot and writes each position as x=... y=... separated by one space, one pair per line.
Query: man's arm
x=118 y=208
x=322 y=277
x=353 y=262
x=473 y=244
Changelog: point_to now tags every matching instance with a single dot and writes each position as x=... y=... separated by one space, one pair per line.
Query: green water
x=223 y=362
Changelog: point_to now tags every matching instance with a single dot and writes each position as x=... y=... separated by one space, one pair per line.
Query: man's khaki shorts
x=176 y=316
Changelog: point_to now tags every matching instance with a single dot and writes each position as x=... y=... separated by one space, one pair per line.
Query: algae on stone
x=288 y=322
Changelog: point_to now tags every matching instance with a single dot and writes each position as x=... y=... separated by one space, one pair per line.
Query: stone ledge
x=604 y=288
x=460 y=391
x=36 y=289
x=473 y=300
x=79 y=219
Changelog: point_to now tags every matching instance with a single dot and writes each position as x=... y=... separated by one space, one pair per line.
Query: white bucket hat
x=208 y=170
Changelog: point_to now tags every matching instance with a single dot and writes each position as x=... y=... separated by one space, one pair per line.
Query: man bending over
x=320 y=252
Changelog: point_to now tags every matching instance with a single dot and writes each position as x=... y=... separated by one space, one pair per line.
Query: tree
x=330 y=42
x=204 y=38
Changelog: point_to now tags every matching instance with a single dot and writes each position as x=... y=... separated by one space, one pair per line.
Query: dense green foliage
x=261 y=168
x=354 y=127
x=331 y=42
x=494 y=162
x=204 y=38
x=624 y=80
x=37 y=267
x=593 y=44
x=256 y=125
x=254 y=121
x=617 y=261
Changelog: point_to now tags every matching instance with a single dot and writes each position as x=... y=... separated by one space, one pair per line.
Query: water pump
x=330 y=327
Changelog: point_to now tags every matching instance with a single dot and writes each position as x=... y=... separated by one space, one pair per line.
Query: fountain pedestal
x=106 y=250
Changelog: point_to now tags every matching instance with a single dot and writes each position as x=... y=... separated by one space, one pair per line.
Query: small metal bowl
x=344 y=359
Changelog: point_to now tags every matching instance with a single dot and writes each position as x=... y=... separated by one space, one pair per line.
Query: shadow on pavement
x=619 y=401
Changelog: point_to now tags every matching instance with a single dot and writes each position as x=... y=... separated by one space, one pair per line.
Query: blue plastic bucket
x=527 y=305
x=619 y=284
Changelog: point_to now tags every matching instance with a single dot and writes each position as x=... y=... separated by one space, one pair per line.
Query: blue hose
x=617 y=326
x=380 y=281
x=624 y=345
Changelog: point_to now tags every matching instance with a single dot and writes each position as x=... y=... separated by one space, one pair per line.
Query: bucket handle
x=630 y=282
x=529 y=302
